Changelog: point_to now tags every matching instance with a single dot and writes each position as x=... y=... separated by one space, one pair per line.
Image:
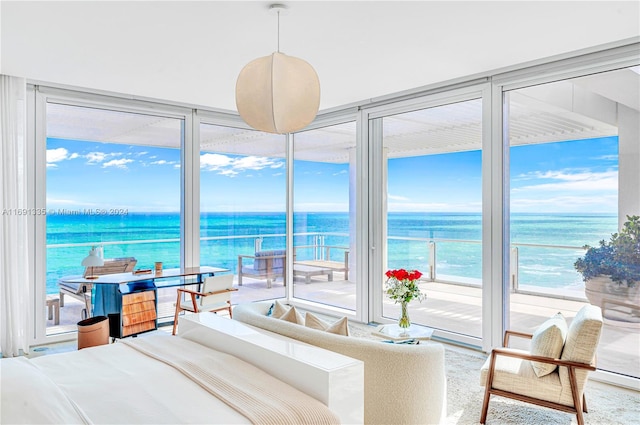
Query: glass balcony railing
x=542 y=269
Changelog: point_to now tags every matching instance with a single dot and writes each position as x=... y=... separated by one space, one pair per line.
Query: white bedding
x=117 y=384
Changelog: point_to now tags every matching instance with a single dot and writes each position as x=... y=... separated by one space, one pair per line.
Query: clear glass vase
x=404 y=321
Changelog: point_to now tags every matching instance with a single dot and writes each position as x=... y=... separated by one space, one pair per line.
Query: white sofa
x=404 y=384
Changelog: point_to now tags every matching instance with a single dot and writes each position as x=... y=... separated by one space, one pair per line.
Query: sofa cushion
x=313 y=322
x=292 y=316
x=547 y=341
x=340 y=327
x=279 y=309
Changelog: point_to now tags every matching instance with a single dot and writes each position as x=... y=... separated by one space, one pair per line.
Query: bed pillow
x=340 y=327
x=548 y=341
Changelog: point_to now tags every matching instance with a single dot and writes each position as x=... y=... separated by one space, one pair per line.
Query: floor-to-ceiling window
x=113 y=183
x=243 y=208
x=570 y=186
x=432 y=212
x=324 y=215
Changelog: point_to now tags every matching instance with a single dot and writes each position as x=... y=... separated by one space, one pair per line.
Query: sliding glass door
x=573 y=181
x=432 y=212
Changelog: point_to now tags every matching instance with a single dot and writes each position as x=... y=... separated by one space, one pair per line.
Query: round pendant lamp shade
x=278 y=93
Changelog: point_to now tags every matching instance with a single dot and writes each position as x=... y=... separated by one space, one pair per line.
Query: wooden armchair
x=510 y=372
x=215 y=296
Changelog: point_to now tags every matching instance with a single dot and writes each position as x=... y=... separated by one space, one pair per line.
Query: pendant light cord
x=278 y=31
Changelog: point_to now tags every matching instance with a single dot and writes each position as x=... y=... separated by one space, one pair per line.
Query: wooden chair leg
x=584 y=403
x=487 y=388
x=175 y=318
x=576 y=397
x=485 y=406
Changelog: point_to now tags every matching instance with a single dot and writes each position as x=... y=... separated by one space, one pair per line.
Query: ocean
x=152 y=237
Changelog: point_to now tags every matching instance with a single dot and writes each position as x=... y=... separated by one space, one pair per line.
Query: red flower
x=402 y=274
x=415 y=275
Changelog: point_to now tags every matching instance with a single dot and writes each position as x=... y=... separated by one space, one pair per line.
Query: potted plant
x=611 y=271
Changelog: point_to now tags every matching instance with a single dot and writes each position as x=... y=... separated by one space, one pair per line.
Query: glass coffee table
x=396 y=333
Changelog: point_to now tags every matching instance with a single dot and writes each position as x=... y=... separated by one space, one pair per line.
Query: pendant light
x=278 y=93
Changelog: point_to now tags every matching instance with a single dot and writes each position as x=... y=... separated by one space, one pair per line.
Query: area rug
x=608 y=405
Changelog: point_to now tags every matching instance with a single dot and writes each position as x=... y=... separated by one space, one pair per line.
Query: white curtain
x=14 y=239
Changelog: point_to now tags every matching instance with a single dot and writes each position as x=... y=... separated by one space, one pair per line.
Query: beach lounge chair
x=268 y=265
x=111 y=266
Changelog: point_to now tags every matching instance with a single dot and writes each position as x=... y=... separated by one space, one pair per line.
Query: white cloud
x=340 y=172
x=228 y=172
x=162 y=162
x=56 y=155
x=396 y=198
x=570 y=182
x=434 y=206
x=95 y=157
x=567 y=203
x=228 y=166
x=253 y=163
x=119 y=163
x=214 y=161
x=606 y=158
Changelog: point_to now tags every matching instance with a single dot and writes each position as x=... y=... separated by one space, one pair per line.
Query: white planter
x=620 y=304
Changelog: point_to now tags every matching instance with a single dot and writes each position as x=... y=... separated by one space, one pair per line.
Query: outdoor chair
x=268 y=265
x=554 y=372
x=83 y=292
x=215 y=296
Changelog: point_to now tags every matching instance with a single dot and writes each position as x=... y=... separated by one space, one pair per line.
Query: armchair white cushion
x=547 y=341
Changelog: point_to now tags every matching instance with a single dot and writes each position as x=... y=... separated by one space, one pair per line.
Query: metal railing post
x=257 y=244
x=513 y=268
x=432 y=261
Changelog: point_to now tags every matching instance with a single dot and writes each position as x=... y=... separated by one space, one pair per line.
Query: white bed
x=155 y=378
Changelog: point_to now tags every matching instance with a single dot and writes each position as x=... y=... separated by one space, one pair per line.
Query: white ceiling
x=192 y=52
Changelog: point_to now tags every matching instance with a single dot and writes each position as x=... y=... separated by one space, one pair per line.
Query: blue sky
x=575 y=176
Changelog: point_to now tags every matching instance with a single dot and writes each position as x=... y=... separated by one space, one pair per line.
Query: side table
x=396 y=333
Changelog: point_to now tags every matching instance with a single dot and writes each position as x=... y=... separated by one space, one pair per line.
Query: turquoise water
x=234 y=234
